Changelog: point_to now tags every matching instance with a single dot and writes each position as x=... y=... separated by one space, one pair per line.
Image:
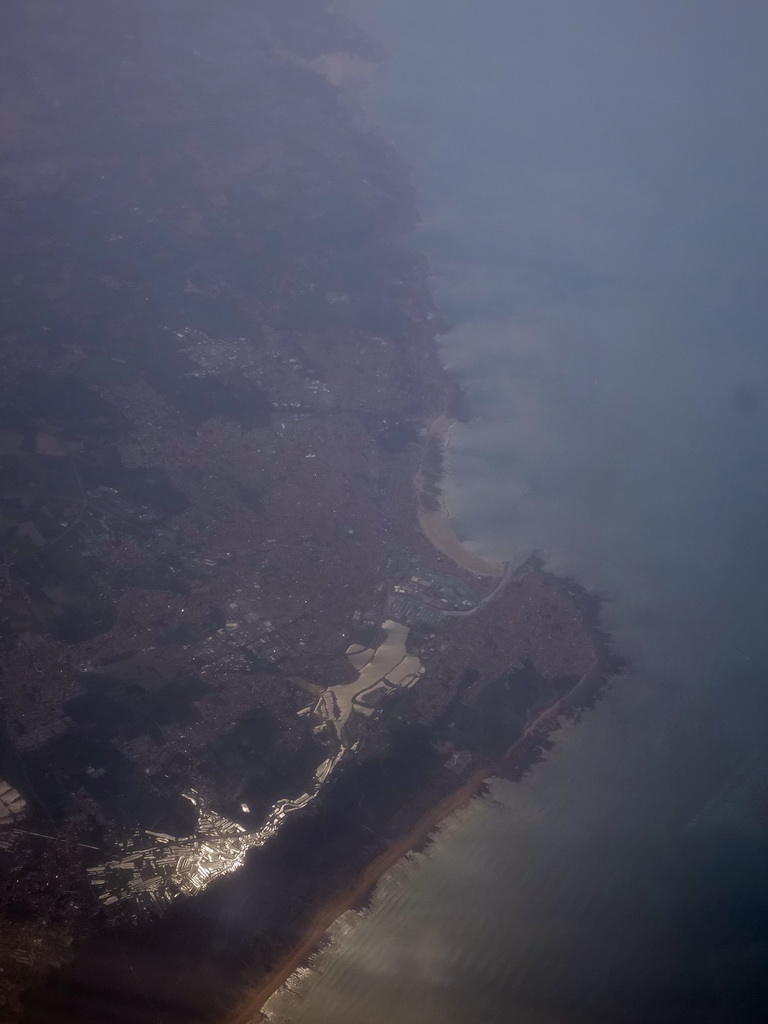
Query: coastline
x=254 y=1002
x=436 y=527
x=522 y=755
x=416 y=386
x=519 y=758
x=435 y=522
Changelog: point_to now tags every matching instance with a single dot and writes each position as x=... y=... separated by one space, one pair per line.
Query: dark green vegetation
x=432 y=469
x=489 y=724
x=251 y=764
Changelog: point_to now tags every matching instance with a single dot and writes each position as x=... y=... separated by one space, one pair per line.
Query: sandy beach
x=438 y=530
x=436 y=523
x=249 y=1009
x=541 y=725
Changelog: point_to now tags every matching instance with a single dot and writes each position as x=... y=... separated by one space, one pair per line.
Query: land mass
x=246 y=662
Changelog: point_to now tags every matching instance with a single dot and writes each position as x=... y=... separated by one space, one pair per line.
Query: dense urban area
x=220 y=611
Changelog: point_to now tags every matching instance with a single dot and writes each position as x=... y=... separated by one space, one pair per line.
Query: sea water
x=592 y=179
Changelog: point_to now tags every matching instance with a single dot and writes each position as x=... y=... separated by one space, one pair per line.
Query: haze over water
x=592 y=177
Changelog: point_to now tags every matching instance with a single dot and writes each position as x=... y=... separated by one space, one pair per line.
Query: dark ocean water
x=592 y=177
